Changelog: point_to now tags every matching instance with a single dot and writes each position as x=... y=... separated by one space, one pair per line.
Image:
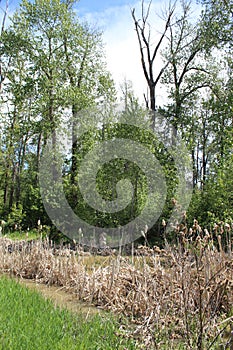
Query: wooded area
x=52 y=67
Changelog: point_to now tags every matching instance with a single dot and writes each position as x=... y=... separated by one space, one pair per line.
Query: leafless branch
x=4 y=16
x=148 y=55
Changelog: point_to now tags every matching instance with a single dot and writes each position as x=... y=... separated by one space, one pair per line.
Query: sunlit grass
x=29 y=322
x=23 y=235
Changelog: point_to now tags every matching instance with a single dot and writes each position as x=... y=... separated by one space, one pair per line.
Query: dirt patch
x=61 y=298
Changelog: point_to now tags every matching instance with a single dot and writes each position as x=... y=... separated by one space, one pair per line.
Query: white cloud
x=122 y=50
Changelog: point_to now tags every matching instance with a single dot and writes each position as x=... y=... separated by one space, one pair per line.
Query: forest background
x=53 y=66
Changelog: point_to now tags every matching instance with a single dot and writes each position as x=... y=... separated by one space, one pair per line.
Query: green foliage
x=52 y=64
x=199 y=81
x=16 y=216
x=215 y=203
x=217 y=22
x=118 y=169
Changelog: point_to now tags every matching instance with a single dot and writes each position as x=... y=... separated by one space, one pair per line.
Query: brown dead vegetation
x=183 y=293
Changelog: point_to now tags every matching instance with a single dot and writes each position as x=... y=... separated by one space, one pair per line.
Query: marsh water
x=60 y=297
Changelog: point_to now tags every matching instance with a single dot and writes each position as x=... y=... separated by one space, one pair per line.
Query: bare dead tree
x=150 y=55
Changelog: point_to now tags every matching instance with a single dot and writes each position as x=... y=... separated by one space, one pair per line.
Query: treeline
x=53 y=67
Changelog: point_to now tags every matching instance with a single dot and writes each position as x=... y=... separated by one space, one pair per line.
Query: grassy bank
x=29 y=322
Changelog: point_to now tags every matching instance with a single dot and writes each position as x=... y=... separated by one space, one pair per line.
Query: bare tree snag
x=149 y=55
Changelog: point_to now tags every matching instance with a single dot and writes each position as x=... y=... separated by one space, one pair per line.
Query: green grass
x=23 y=235
x=28 y=321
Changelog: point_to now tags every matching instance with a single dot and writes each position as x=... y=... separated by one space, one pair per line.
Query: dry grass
x=181 y=295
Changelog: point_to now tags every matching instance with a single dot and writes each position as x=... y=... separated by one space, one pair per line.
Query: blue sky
x=98 y=6
x=84 y=5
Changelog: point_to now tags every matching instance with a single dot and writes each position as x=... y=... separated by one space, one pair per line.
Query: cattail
x=206 y=232
x=157 y=249
x=215 y=228
x=220 y=243
x=174 y=201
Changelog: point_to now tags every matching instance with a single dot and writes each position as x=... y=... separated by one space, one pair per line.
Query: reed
x=178 y=296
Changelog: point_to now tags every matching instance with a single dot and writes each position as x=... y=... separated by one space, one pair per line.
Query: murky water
x=61 y=298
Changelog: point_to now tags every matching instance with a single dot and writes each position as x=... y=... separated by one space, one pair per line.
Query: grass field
x=29 y=322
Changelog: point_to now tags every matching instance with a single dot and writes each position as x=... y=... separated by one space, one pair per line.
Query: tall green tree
x=57 y=69
x=217 y=24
